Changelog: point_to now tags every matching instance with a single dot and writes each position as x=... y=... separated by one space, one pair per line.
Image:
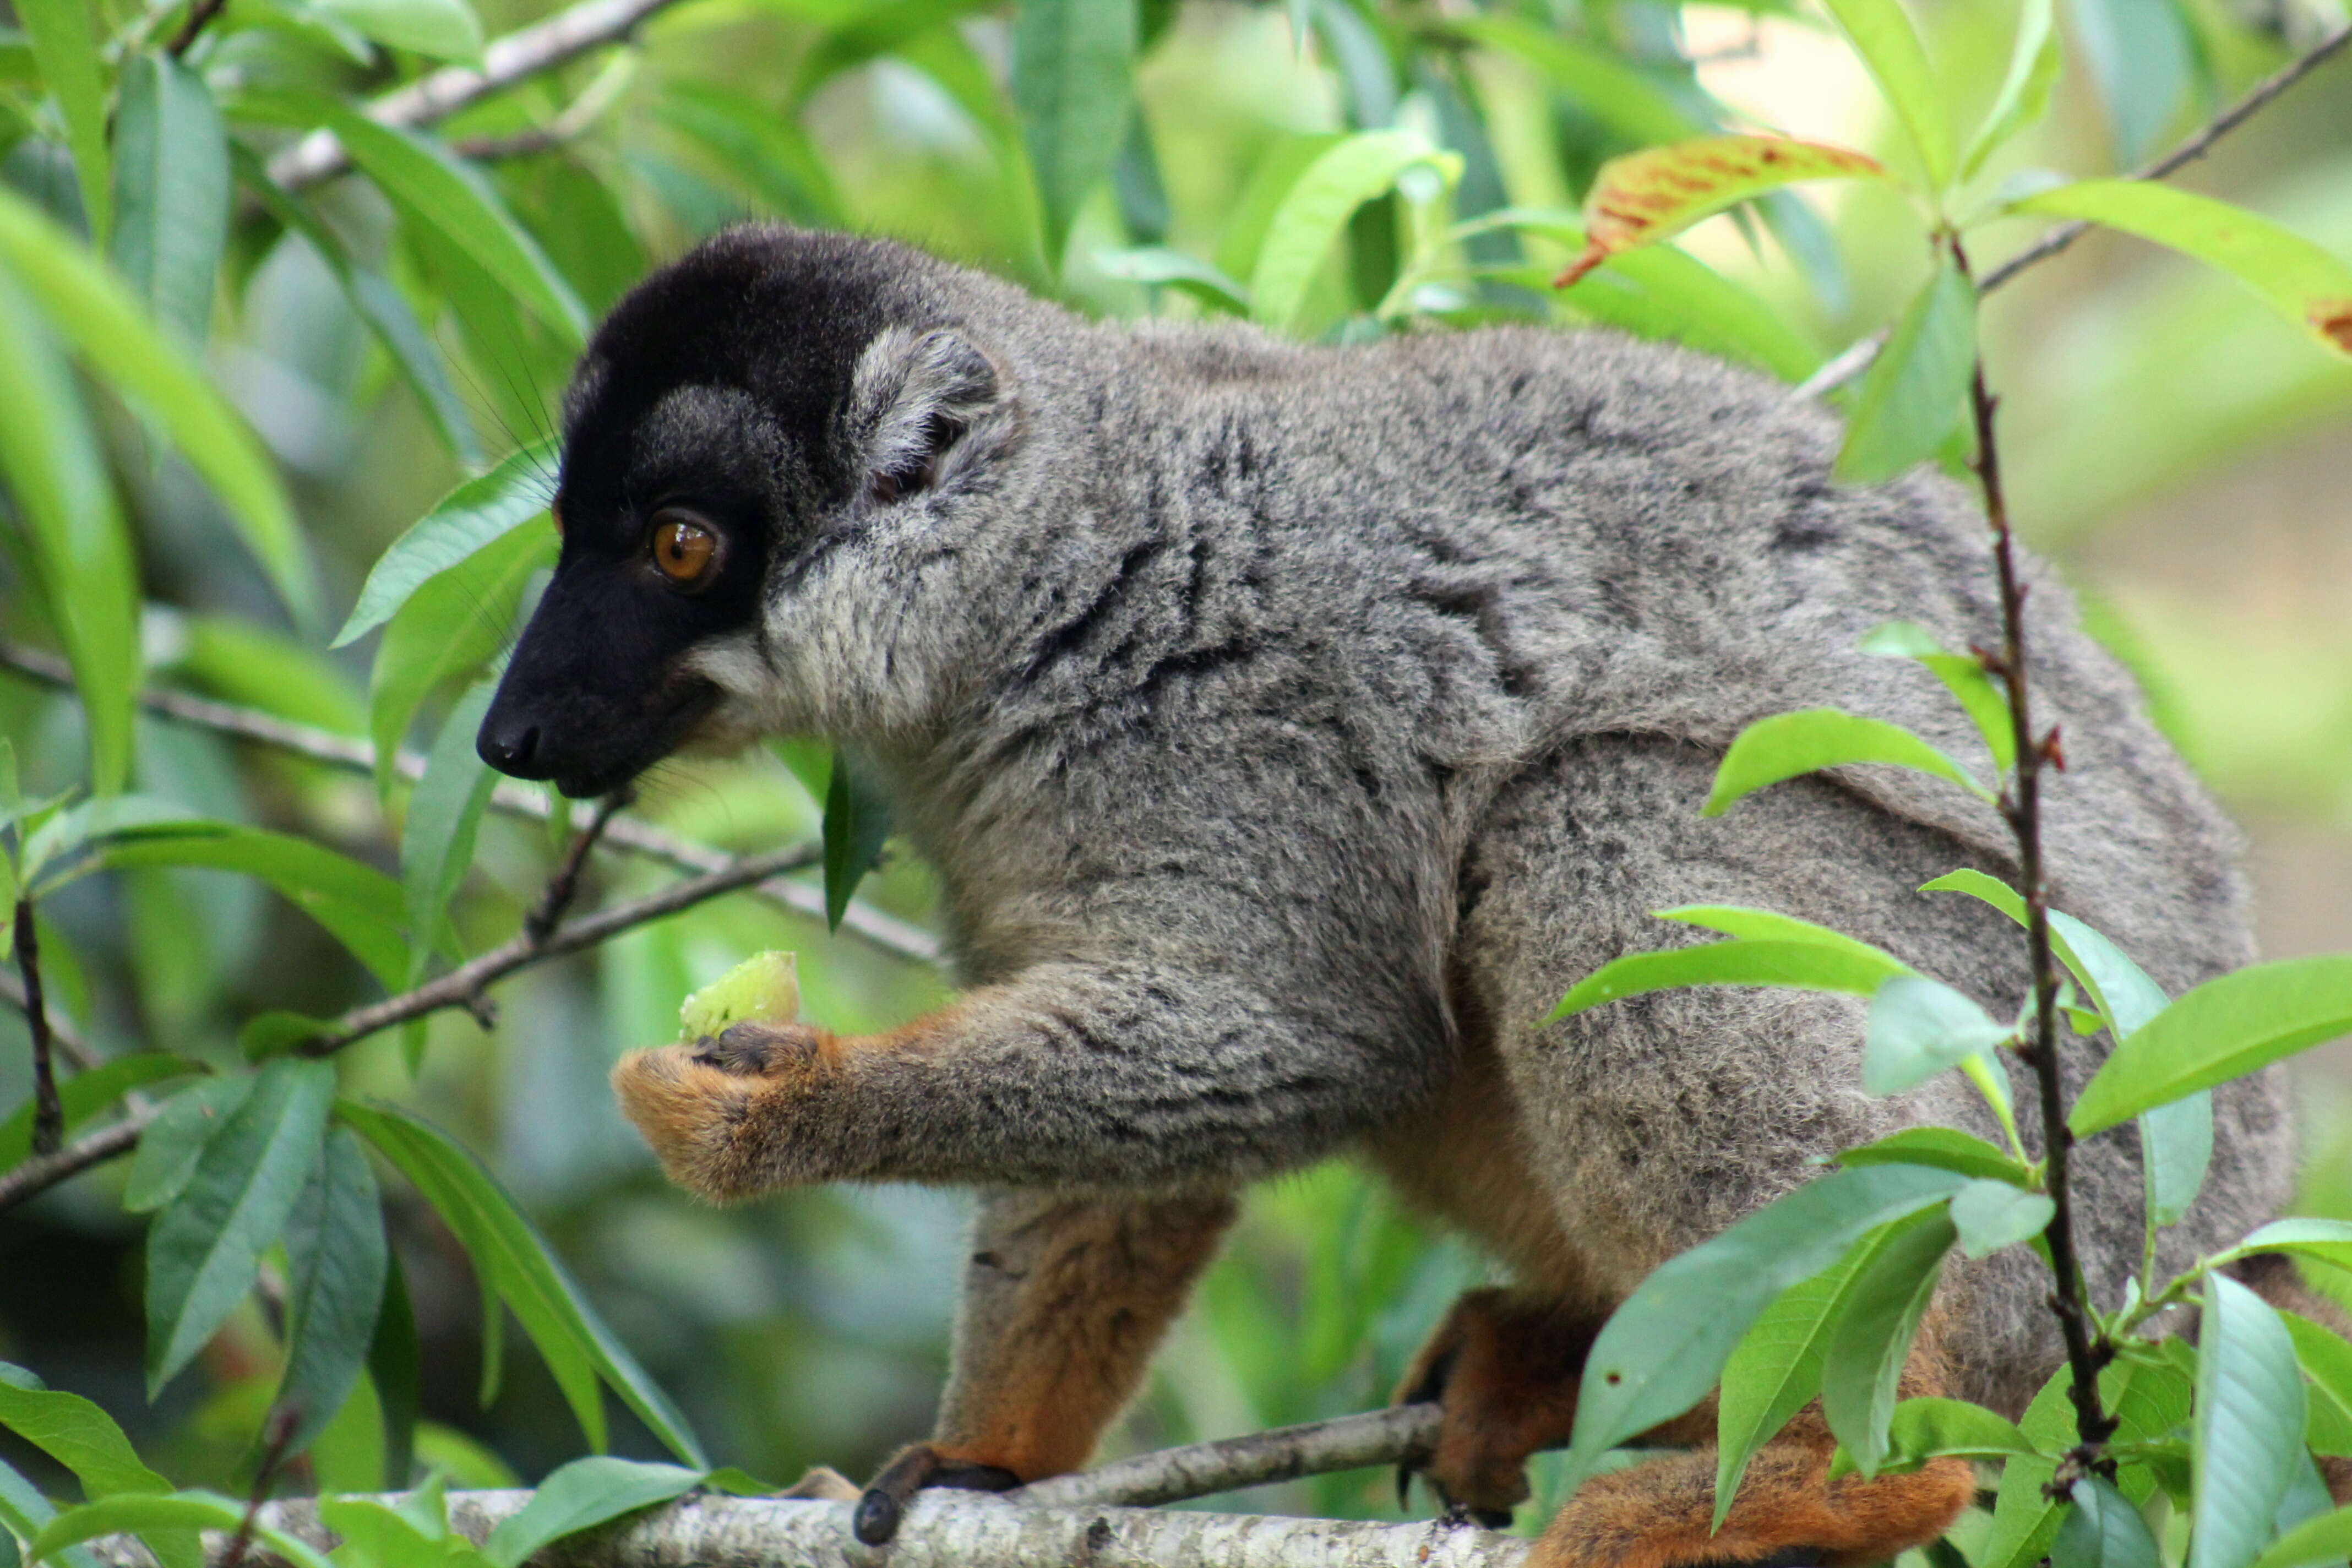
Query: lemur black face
x=694 y=456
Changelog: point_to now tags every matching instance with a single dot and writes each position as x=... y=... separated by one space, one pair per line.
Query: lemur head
x=775 y=412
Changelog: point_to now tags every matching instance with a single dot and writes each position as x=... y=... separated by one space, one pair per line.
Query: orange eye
x=684 y=548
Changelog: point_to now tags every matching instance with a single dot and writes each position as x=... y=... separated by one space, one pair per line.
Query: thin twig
x=1857 y=356
x=514 y=58
x=199 y=17
x=564 y=884
x=2022 y=806
x=48 y=1111
x=35 y=1176
x=282 y=1424
x=1403 y=1433
x=892 y=935
x=63 y=1038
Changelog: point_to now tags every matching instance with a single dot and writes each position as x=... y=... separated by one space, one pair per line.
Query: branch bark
x=1857 y=356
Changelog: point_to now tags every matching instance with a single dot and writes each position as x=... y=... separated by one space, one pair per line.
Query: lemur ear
x=925 y=408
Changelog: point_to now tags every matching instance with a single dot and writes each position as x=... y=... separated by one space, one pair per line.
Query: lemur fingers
x=719 y=1111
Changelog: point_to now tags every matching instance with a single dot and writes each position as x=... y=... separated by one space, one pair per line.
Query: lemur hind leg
x=1065 y=1298
x=1504 y=1365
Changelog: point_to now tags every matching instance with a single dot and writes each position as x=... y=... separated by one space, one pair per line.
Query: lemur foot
x=919 y=1465
x=1505 y=1368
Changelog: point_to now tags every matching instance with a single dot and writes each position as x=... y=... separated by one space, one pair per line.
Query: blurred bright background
x=2186 y=456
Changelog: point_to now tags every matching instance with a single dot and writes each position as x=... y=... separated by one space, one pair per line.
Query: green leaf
x=2324 y=1540
x=1073 y=76
x=2143 y=55
x=1874 y=1331
x=2325 y=1240
x=1662 y=1349
x=2148 y=1401
x=65 y=46
x=578 y=1495
x=445 y=29
x=170 y=174
x=1346 y=175
x=23 y=1511
x=1647 y=196
x=146 y=1515
x=1881 y=35
x=1659 y=291
x=2326 y=1362
x=511 y=1256
x=1910 y=403
x=86 y=1094
x=857 y=821
x=1161 y=268
x=1991 y=1214
x=57 y=477
x=170 y=1143
x=2297 y=278
x=2103 y=1530
x=204 y=1251
x=75 y=1432
x=336 y=1256
x=1919 y=1027
x=2175 y=1149
x=474 y=515
x=1777 y=1365
x=2223 y=1029
x=2024 y=96
x=1770 y=925
x=1598 y=80
x=396 y=1367
x=92 y=311
x=447 y=631
x=1806 y=965
x=94 y=824
x=1924 y=1429
x=436 y=841
x=359 y=905
x=770 y=156
x=1789 y=744
x=1945 y=1147
x=2247 y=1432
x=1963 y=675
x=376 y=1536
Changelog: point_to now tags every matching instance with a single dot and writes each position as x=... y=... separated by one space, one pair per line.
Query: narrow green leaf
x=57 y=479
x=1770 y=925
x=1874 y=1331
x=1164 y=268
x=857 y=821
x=2143 y=55
x=23 y=1511
x=771 y=156
x=474 y=515
x=65 y=46
x=336 y=1254
x=2024 y=96
x=2301 y=281
x=1597 y=80
x=2326 y=1362
x=1926 y=1429
x=1945 y=1147
x=1661 y=1351
x=1991 y=1214
x=2103 y=1530
x=2175 y=1149
x=2223 y=1029
x=436 y=841
x=1919 y=1027
x=2248 y=1425
x=92 y=311
x=1345 y=176
x=1073 y=76
x=377 y=1536
x=2326 y=1240
x=1883 y=35
x=1659 y=291
x=1789 y=744
x=445 y=29
x=505 y=1247
x=170 y=174
x=86 y=1094
x=1777 y=1365
x=204 y=1251
x=582 y=1494
x=170 y=1143
x=1654 y=194
x=75 y=1432
x=1807 y=965
x=93 y=824
x=1963 y=675
x=147 y=1515
x=396 y=1366
x=1911 y=401
x=2316 y=1544
x=359 y=905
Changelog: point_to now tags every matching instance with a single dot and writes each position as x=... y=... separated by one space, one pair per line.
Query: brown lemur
x=1290 y=727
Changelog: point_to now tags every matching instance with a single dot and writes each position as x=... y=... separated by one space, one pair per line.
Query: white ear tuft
x=917 y=401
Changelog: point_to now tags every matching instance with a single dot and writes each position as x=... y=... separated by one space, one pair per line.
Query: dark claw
x=885 y=1502
x=1404 y=1488
x=752 y=1050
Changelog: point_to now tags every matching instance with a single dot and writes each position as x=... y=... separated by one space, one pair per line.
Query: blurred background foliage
x=2180 y=451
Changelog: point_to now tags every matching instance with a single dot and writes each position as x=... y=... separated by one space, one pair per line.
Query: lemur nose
x=506 y=751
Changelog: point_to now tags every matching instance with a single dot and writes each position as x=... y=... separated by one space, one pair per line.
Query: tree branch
x=507 y=60
x=63 y=1038
x=1399 y=1435
x=892 y=935
x=39 y=1175
x=1857 y=356
x=48 y=1111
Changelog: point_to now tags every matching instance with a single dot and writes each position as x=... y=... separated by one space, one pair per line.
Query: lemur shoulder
x=1290 y=727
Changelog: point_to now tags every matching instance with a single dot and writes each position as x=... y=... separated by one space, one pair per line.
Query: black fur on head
x=731 y=396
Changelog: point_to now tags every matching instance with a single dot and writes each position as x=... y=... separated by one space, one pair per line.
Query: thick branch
x=1857 y=356
x=510 y=59
x=892 y=935
x=942 y=1530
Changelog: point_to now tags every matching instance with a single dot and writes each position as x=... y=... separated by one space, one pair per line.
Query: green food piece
x=765 y=988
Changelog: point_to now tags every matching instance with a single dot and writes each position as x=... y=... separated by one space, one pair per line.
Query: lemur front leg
x=1065 y=1298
